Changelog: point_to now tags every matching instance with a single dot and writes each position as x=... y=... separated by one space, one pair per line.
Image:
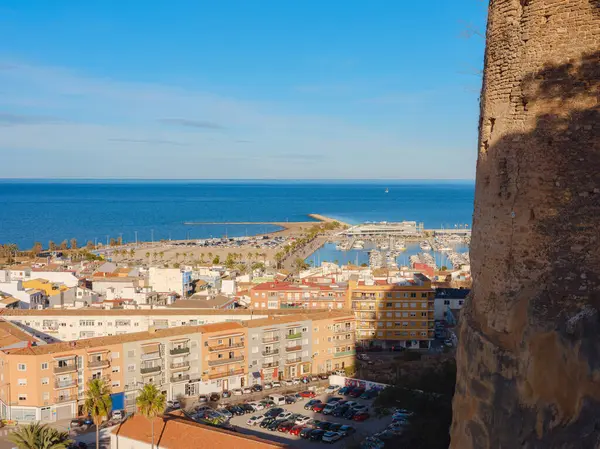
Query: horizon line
x=237 y=179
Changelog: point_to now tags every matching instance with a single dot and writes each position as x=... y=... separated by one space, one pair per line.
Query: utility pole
x=135 y=232
x=152 y=235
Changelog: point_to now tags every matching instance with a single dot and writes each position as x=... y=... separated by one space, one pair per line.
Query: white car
x=284 y=415
x=352 y=404
x=237 y=392
x=276 y=384
x=287 y=382
x=296 y=381
x=267 y=386
x=247 y=390
x=173 y=405
x=331 y=389
x=302 y=420
x=256 y=405
x=255 y=420
x=331 y=437
x=360 y=408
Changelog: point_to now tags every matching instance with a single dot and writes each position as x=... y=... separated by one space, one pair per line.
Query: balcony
x=344 y=353
x=226 y=374
x=270 y=365
x=65 y=369
x=182 y=378
x=151 y=355
x=294 y=336
x=293 y=348
x=180 y=366
x=67 y=398
x=65 y=384
x=271 y=339
x=179 y=351
x=150 y=369
x=343 y=342
x=272 y=352
x=99 y=364
x=218 y=362
x=343 y=330
x=295 y=360
x=225 y=347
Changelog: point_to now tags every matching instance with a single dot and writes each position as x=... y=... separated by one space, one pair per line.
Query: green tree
x=176 y=256
x=148 y=256
x=151 y=403
x=300 y=264
x=98 y=403
x=216 y=260
x=131 y=252
x=161 y=255
x=39 y=436
x=278 y=259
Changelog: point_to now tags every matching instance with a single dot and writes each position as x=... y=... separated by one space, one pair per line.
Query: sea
x=97 y=210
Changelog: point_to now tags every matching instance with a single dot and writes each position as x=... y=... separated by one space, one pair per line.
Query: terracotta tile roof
x=90 y=343
x=11 y=334
x=141 y=312
x=314 y=316
x=176 y=432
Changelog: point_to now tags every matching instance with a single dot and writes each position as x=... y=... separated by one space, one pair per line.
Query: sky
x=226 y=89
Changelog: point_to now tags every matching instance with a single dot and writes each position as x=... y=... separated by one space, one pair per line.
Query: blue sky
x=239 y=89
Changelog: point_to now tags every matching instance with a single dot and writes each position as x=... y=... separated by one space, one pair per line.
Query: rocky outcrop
x=529 y=343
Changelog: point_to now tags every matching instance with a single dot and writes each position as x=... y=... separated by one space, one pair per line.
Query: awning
x=256 y=375
x=65 y=357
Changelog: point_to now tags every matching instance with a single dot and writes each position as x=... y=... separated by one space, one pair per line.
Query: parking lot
x=363 y=429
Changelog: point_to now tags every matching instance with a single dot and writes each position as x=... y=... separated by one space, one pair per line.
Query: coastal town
x=218 y=317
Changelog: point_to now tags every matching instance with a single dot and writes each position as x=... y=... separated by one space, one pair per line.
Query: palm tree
x=98 y=403
x=162 y=255
x=148 y=256
x=151 y=403
x=39 y=436
x=176 y=256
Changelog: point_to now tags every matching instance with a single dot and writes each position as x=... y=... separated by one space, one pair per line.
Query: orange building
x=224 y=350
x=393 y=314
x=306 y=295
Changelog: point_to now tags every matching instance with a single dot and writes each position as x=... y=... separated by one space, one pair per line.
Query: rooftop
x=315 y=316
x=12 y=335
x=216 y=302
x=289 y=286
x=176 y=432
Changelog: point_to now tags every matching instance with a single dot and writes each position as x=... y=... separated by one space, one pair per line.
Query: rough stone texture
x=529 y=350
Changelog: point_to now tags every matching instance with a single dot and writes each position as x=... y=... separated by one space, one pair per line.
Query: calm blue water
x=87 y=210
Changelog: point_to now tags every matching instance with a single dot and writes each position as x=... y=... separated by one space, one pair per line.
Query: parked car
x=364 y=357
x=247 y=408
x=331 y=389
x=287 y=382
x=202 y=398
x=290 y=399
x=305 y=433
x=295 y=381
x=331 y=437
x=226 y=394
x=276 y=384
x=344 y=390
x=247 y=390
x=274 y=411
x=284 y=415
x=317 y=435
x=307 y=394
x=267 y=403
x=385 y=435
x=448 y=342
x=318 y=407
x=296 y=429
x=314 y=378
x=350 y=413
x=361 y=408
x=323 y=376
x=329 y=408
x=334 y=400
x=257 y=406
x=356 y=392
x=340 y=410
x=347 y=430
x=309 y=404
x=285 y=426
x=236 y=410
x=324 y=425
x=223 y=411
x=275 y=424
x=237 y=392
x=75 y=423
x=268 y=386
x=254 y=420
x=302 y=420
x=214 y=397
x=257 y=387
x=361 y=416
x=267 y=422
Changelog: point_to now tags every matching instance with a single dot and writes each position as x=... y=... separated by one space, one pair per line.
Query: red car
x=308 y=394
x=285 y=427
x=361 y=417
x=296 y=430
x=318 y=407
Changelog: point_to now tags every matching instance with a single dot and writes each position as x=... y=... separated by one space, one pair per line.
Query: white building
x=448 y=299
x=26 y=274
x=165 y=280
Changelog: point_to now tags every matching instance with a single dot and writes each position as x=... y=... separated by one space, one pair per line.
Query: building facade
x=393 y=314
x=309 y=296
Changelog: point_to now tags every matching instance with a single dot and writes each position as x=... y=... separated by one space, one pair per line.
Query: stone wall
x=529 y=349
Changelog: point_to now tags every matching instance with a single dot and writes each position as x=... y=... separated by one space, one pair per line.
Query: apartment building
x=166 y=280
x=309 y=296
x=224 y=357
x=333 y=343
x=65 y=324
x=393 y=314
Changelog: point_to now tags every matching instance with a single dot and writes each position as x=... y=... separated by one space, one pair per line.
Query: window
x=22 y=397
x=460 y=303
x=413 y=295
x=423 y=295
x=45 y=365
x=45 y=381
x=316 y=341
x=115 y=355
x=316 y=329
x=21 y=367
x=131 y=368
x=413 y=314
x=116 y=369
x=22 y=382
x=404 y=323
x=423 y=334
x=46 y=396
x=388 y=304
x=413 y=305
x=116 y=383
x=397 y=305
x=254 y=349
x=423 y=305
x=131 y=354
x=424 y=314
x=304 y=329
x=405 y=314
x=405 y=304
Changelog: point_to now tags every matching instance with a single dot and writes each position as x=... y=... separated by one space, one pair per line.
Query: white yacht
x=425 y=246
